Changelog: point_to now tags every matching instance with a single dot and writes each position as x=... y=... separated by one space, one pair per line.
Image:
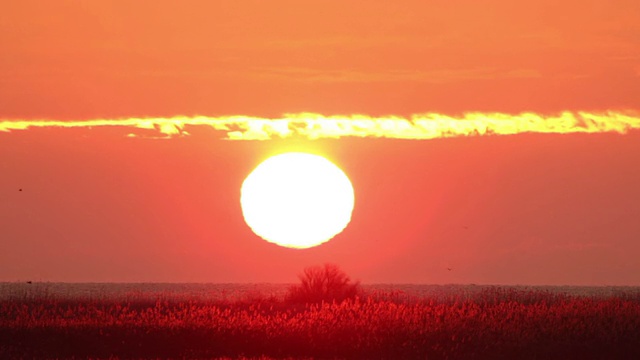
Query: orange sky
x=83 y=59
x=97 y=205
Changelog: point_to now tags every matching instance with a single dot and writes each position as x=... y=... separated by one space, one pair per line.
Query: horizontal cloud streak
x=441 y=76
x=315 y=126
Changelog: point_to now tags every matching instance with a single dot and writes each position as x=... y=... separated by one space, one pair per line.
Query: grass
x=499 y=323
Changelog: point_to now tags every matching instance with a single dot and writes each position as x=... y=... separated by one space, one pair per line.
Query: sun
x=297 y=200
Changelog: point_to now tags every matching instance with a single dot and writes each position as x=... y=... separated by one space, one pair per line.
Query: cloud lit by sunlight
x=316 y=126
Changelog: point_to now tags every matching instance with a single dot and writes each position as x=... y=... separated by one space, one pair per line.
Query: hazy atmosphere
x=539 y=187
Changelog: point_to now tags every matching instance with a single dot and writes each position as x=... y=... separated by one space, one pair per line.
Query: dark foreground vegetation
x=499 y=323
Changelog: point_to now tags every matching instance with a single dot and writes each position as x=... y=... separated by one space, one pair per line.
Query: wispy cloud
x=315 y=126
x=439 y=76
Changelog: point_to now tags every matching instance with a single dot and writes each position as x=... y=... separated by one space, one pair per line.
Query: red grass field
x=498 y=323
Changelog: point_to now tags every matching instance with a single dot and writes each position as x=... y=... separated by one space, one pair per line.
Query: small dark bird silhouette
x=19 y=189
x=29 y=282
x=449 y=269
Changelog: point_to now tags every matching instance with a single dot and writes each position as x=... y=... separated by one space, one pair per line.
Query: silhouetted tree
x=323 y=283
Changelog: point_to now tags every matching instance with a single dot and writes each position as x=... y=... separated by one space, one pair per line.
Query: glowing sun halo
x=297 y=200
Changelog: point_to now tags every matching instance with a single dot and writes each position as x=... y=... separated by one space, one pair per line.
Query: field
x=494 y=323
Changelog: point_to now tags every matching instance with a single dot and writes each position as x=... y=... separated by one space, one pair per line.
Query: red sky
x=518 y=209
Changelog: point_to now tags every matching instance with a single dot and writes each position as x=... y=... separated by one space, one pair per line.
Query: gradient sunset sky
x=498 y=138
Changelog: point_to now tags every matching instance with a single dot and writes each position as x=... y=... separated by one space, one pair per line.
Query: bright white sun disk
x=297 y=200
